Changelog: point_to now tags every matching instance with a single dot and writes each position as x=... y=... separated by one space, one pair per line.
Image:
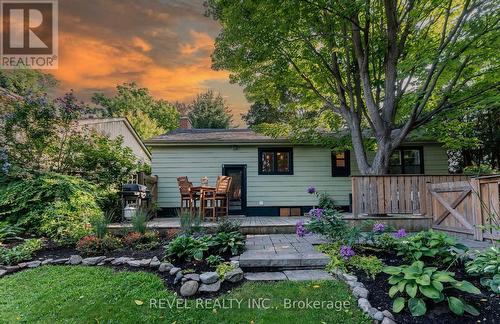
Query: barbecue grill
x=136 y=196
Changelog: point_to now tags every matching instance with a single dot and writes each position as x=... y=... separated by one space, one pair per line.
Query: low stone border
x=361 y=293
x=191 y=283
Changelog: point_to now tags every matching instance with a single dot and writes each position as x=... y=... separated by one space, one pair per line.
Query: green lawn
x=100 y=295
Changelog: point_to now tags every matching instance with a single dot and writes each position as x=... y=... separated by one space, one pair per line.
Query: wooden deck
x=282 y=225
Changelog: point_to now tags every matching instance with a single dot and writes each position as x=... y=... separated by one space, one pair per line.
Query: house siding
x=114 y=129
x=311 y=166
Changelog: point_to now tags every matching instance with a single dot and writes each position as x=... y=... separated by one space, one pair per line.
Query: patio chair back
x=184 y=186
x=223 y=184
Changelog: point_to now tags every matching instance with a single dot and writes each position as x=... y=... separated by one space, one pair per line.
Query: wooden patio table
x=198 y=190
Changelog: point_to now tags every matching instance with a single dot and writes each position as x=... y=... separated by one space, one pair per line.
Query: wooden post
x=355 y=207
x=477 y=209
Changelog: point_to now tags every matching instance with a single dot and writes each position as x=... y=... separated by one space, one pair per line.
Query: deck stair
x=282 y=252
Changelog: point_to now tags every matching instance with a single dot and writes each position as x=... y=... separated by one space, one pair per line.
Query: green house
x=270 y=175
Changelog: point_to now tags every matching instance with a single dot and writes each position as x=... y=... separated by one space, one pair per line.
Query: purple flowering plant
x=346 y=252
x=311 y=190
x=378 y=227
x=400 y=233
x=300 y=229
x=316 y=212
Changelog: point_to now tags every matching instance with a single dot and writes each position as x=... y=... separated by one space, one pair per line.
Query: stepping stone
x=302 y=275
x=265 y=276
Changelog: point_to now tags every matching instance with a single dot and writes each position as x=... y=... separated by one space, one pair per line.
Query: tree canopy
x=209 y=110
x=383 y=68
x=148 y=116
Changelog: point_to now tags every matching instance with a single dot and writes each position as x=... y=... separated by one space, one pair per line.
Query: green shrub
x=214 y=260
x=331 y=224
x=371 y=265
x=20 y=253
x=93 y=245
x=148 y=240
x=333 y=252
x=487 y=265
x=413 y=285
x=325 y=201
x=478 y=170
x=232 y=241
x=224 y=268
x=59 y=207
x=9 y=232
x=227 y=226
x=140 y=222
x=385 y=241
x=432 y=247
x=190 y=224
x=185 y=247
x=100 y=226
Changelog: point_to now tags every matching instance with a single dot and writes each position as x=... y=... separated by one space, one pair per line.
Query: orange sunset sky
x=164 y=45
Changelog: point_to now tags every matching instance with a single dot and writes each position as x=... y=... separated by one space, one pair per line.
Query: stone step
x=261 y=259
x=292 y=275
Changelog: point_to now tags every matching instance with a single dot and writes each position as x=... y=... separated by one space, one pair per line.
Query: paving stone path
x=282 y=251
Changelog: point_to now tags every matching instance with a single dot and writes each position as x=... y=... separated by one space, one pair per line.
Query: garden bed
x=487 y=303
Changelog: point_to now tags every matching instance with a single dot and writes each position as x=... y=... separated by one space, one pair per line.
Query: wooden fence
x=467 y=208
x=394 y=194
x=456 y=203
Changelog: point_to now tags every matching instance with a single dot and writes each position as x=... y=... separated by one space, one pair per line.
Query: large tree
x=385 y=67
x=209 y=110
x=149 y=117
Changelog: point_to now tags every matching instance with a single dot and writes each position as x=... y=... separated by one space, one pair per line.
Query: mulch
x=487 y=303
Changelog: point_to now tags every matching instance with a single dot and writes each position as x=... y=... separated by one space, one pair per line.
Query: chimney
x=185 y=123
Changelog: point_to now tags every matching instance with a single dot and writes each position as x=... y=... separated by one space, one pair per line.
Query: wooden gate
x=465 y=207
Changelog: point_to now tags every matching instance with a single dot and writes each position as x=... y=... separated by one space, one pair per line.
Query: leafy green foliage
x=223 y=268
x=214 y=260
x=187 y=247
x=233 y=242
x=479 y=170
x=9 y=232
x=263 y=112
x=140 y=221
x=415 y=284
x=209 y=110
x=385 y=241
x=371 y=265
x=333 y=252
x=227 y=226
x=148 y=240
x=334 y=227
x=93 y=245
x=59 y=207
x=19 y=253
x=190 y=224
x=349 y=64
x=148 y=116
x=487 y=265
x=430 y=246
x=492 y=283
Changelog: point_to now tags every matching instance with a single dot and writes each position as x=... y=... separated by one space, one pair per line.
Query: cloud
x=162 y=45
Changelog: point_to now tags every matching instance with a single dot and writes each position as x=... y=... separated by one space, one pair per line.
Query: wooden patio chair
x=188 y=200
x=211 y=198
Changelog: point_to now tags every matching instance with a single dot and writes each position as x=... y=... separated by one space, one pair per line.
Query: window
x=275 y=161
x=407 y=160
x=341 y=164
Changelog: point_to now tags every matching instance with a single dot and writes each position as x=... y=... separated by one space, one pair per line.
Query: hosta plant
x=185 y=247
x=232 y=241
x=487 y=265
x=432 y=247
x=414 y=286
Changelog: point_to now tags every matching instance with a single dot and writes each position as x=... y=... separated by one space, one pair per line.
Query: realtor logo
x=29 y=34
